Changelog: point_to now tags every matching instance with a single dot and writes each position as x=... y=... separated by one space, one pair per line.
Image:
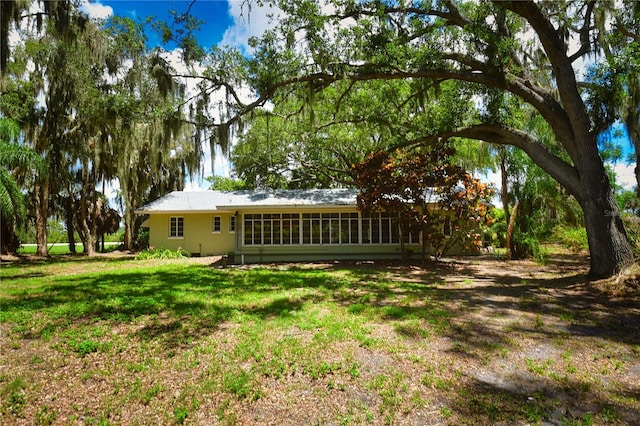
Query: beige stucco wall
x=199 y=237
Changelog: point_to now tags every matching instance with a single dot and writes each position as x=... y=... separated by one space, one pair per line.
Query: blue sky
x=229 y=23
x=214 y=13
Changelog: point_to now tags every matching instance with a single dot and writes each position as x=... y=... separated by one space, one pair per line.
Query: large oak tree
x=528 y=49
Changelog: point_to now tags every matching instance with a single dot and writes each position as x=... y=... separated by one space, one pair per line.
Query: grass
x=58 y=249
x=174 y=341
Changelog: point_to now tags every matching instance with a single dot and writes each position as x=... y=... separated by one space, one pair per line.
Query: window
x=217 y=223
x=323 y=229
x=311 y=228
x=381 y=228
x=232 y=224
x=308 y=228
x=252 y=228
x=176 y=227
x=371 y=229
x=447 y=228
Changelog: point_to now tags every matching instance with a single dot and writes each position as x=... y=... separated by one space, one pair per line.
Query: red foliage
x=426 y=193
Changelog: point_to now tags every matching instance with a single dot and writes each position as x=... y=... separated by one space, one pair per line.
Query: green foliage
x=85 y=347
x=180 y=414
x=239 y=383
x=527 y=245
x=113 y=112
x=142 y=239
x=543 y=206
x=162 y=254
x=222 y=183
x=12 y=395
x=14 y=157
x=498 y=228
x=628 y=201
x=632 y=225
x=570 y=237
x=284 y=148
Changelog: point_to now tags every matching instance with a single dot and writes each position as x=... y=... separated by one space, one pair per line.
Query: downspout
x=239 y=232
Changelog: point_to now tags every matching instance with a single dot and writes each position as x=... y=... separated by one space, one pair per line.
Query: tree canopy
x=428 y=194
x=96 y=105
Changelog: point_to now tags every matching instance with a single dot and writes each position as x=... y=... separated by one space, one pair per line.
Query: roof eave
x=232 y=209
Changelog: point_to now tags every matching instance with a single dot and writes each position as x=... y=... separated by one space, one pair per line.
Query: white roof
x=206 y=201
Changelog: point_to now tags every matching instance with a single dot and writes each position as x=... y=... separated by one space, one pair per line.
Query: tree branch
x=562 y=69
x=585 y=45
x=563 y=172
x=620 y=27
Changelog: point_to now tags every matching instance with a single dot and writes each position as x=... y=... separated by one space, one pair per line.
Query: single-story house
x=264 y=226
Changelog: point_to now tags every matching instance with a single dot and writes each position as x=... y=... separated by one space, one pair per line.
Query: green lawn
x=94 y=341
x=62 y=248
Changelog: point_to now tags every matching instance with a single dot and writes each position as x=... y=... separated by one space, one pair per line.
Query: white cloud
x=247 y=22
x=625 y=175
x=96 y=9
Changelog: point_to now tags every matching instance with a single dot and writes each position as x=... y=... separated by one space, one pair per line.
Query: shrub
x=527 y=245
x=570 y=237
x=162 y=254
x=632 y=226
x=141 y=240
x=499 y=228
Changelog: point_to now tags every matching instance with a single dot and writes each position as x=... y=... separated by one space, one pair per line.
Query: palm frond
x=14 y=155
x=12 y=207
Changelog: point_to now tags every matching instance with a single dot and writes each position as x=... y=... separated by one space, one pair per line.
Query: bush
x=632 y=226
x=527 y=245
x=141 y=240
x=499 y=228
x=571 y=238
x=162 y=254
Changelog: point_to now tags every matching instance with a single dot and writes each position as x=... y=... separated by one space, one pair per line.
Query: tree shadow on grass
x=483 y=312
x=538 y=400
x=183 y=305
x=193 y=291
x=180 y=306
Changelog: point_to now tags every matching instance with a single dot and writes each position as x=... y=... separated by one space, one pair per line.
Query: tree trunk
x=8 y=240
x=41 y=206
x=131 y=228
x=4 y=236
x=511 y=226
x=129 y=219
x=87 y=212
x=608 y=243
x=88 y=240
x=69 y=223
x=504 y=190
x=609 y=246
x=504 y=196
x=129 y=216
x=70 y=236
